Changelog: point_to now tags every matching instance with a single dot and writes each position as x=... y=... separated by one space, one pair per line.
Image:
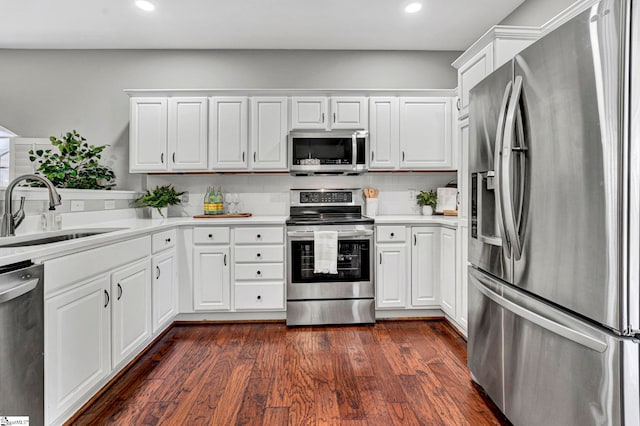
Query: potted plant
x=74 y=164
x=428 y=200
x=159 y=200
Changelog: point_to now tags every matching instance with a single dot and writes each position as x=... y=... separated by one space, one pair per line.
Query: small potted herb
x=428 y=200
x=159 y=199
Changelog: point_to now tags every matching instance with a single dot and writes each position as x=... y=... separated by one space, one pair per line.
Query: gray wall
x=536 y=12
x=47 y=92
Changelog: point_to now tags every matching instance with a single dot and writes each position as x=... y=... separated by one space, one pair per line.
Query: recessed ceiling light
x=413 y=7
x=145 y=5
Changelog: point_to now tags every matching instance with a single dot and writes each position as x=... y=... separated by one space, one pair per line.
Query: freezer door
x=561 y=160
x=488 y=248
x=485 y=343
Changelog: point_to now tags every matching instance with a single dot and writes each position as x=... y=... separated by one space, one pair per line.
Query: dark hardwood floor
x=396 y=372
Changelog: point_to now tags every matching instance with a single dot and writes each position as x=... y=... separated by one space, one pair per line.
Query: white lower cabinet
x=77 y=344
x=462 y=278
x=391 y=275
x=425 y=266
x=131 y=310
x=211 y=280
x=164 y=292
x=448 y=271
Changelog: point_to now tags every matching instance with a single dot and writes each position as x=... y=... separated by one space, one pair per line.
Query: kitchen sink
x=55 y=237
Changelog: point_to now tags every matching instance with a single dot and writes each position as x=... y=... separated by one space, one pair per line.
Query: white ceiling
x=248 y=24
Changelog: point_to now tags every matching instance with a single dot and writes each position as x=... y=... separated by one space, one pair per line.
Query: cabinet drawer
x=259 y=254
x=259 y=296
x=163 y=240
x=391 y=234
x=211 y=235
x=259 y=235
x=259 y=271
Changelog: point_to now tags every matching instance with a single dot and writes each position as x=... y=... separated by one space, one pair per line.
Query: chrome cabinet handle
x=415 y=240
x=243 y=156
x=225 y=260
x=119 y=291
x=372 y=155
x=162 y=157
x=173 y=157
x=106 y=295
x=458 y=104
x=381 y=258
x=323 y=117
x=157 y=272
x=334 y=117
x=254 y=156
x=402 y=155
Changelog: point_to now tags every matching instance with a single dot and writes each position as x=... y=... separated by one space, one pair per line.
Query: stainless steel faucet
x=11 y=221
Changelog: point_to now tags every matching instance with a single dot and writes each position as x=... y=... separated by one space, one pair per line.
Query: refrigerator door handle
x=506 y=196
x=496 y=165
x=539 y=320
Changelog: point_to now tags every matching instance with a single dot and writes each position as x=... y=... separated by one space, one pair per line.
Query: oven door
x=354 y=279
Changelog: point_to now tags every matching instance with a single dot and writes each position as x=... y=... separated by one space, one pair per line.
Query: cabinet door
x=425 y=262
x=269 y=133
x=470 y=74
x=228 y=130
x=131 y=310
x=384 y=135
x=77 y=344
x=391 y=275
x=448 y=271
x=309 y=113
x=211 y=280
x=462 y=277
x=464 y=184
x=148 y=134
x=163 y=289
x=349 y=113
x=425 y=133
x=188 y=133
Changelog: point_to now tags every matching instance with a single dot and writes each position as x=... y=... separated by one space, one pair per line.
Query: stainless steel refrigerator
x=554 y=295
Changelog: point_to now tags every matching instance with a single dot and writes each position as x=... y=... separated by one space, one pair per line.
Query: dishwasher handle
x=21 y=287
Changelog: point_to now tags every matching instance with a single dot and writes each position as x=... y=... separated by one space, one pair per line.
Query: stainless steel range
x=345 y=297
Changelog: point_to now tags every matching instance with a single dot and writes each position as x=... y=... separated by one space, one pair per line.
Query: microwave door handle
x=496 y=167
x=507 y=195
x=354 y=151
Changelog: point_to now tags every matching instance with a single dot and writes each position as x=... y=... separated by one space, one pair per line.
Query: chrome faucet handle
x=18 y=216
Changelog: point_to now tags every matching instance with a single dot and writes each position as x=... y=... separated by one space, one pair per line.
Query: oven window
x=353 y=262
x=329 y=151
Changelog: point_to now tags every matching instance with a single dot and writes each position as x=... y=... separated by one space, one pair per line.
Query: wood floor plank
x=404 y=373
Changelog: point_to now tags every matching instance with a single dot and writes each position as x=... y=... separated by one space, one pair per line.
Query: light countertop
x=133 y=227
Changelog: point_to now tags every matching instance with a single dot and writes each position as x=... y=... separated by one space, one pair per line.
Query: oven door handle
x=363 y=233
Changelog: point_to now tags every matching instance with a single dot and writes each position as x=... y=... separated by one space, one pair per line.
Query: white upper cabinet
x=188 y=133
x=384 y=136
x=495 y=48
x=349 y=113
x=426 y=133
x=148 y=134
x=313 y=112
x=268 y=133
x=309 y=113
x=470 y=74
x=464 y=184
x=228 y=133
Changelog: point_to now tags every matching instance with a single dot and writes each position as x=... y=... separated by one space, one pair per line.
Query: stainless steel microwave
x=328 y=152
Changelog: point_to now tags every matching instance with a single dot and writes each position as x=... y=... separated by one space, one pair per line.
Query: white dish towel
x=325 y=256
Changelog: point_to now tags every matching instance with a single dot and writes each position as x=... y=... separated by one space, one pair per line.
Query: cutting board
x=221 y=216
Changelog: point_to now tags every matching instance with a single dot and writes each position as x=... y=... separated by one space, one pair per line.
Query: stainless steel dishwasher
x=22 y=341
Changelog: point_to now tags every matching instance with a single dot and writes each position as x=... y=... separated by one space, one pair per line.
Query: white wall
x=536 y=12
x=268 y=194
x=48 y=92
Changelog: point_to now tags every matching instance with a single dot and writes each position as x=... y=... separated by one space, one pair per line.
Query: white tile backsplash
x=268 y=194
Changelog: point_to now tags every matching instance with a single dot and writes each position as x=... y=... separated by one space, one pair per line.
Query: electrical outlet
x=109 y=204
x=77 y=205
x=412 y=194
x=184 y=197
